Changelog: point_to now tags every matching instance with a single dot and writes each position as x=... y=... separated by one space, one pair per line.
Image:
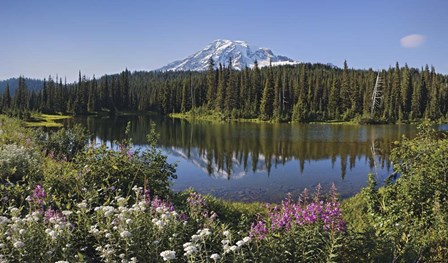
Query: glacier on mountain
x=240 y=52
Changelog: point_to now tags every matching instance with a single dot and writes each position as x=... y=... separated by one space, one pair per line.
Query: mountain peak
x=240 y=52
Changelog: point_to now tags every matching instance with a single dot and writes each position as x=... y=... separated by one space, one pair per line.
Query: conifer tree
x=211 y=83
x=6 y=98
x=345 y=89
x=334 y=105
x=406 y=91
x=20 y=99
x=267 y=100
x=220 y=96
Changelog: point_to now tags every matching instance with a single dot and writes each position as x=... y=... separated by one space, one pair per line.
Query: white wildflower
x=195 y=238
x=67 y=212
x=22 y=231
x=233 y=248
x=14 y=211
x=205 y=232
x=225 y=242
x=168 y=255
x=247 y=239
x=128 y=221
x=215 y=257
x=240 y=243
x=19 y=244
x=53 y=234
x=125 y=234
x=187 y=244
x=226 y=248
x=226 y=233
x=189 y=250
x=82 y=205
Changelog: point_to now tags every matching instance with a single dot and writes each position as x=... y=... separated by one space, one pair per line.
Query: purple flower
x=39 y=194
x=159 y=203
x=196 y=199
x=53 y=215
x=289 y=214
x=258 y=230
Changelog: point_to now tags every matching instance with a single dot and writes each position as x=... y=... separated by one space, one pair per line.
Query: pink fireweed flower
x=39 y=194
x=282 y=218
x=258 y=230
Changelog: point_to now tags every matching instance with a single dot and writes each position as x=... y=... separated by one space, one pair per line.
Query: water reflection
x=262 y=161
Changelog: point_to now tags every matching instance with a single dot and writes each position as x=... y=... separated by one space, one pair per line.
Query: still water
x=262 y=162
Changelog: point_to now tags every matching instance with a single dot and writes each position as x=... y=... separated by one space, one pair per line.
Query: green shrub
x=411 y=213
x=17 y=162
x=64 y=143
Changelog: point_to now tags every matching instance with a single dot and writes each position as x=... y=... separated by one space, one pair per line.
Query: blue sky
x=39 y=38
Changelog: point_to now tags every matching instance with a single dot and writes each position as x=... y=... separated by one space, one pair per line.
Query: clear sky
x=39 y=38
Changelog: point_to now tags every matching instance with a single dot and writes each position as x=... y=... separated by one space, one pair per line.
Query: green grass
x=46 y=120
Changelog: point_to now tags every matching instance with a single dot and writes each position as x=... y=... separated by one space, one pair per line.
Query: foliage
x=108 y=205
x=17 y=162
x=303 y=93
x=64 y=143
x=411 y=213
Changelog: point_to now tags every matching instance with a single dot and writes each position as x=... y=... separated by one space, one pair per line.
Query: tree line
x=301 y=93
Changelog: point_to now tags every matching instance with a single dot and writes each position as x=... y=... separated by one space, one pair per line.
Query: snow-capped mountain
x=240 y=52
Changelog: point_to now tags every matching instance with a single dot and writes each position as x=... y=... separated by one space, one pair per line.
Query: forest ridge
x=300 y=93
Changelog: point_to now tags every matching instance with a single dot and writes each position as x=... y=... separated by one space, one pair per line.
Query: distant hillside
x=31 y=84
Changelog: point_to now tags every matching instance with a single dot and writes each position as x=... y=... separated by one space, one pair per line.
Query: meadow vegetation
x=64 y=199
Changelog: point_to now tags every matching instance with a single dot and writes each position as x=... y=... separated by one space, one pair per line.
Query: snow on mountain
x=241 y=53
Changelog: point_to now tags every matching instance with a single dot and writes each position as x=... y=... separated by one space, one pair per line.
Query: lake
x=262 y=161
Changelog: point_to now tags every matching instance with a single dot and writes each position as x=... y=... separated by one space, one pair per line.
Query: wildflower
x=195 y=238
x=258 y=230
x=168 y=255
x=14 y=211
x=39 y=194
x=128 y=221
x=53 y=234
x=226 y=248
x=204 y=232
x=19 y=244
x=240 y=243
x=22 y=231
x=215 y=257
x=247 y=239
x=190 y=249
x=53 y=216
x=82 y=205
x=233 y=248
x=125 y=234
x=4 y=220
x=67 y=213
x=226 y=233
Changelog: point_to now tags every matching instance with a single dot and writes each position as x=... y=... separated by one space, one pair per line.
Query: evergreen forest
x=300 y=93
